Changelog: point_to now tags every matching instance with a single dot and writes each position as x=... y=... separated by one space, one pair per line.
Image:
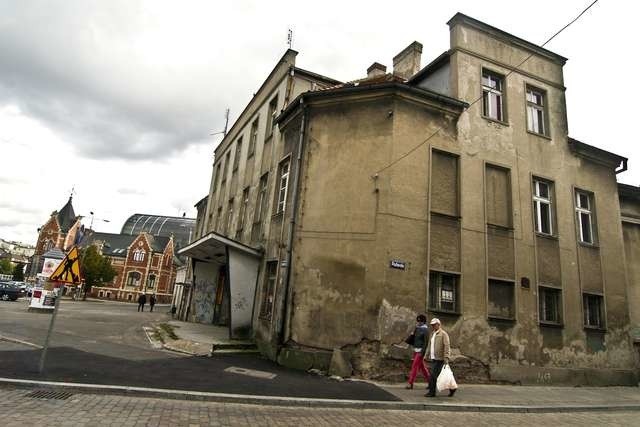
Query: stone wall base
x=534 y=375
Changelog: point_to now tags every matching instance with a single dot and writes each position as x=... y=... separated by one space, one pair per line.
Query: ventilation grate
x=49 y=394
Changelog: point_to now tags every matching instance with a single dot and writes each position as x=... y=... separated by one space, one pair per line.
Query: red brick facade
x=142 y=270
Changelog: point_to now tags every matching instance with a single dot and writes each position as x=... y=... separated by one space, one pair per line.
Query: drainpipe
x=285 y=332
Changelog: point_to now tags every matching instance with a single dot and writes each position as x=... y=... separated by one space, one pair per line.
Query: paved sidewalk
x=524 y=396
x=82 y=409
x=200 y=339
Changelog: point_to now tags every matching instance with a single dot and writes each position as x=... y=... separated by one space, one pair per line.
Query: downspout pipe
x=285 y=332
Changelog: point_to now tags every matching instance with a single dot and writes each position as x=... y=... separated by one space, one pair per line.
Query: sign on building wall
x=400 y=265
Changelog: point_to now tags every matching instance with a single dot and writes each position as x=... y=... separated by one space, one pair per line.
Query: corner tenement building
x=338 y=211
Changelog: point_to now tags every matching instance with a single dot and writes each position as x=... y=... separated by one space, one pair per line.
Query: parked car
x=9 y=291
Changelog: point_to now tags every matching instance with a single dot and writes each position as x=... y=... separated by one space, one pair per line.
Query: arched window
x=133 y=278
x=48 y=245
x=151 y=281
x=138 y=255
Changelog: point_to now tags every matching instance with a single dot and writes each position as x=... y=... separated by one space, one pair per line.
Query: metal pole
x=43 y=355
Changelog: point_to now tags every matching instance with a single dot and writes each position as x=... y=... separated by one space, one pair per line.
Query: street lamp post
x=97 y=219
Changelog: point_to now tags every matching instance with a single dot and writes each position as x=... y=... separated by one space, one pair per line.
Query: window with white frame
x=283 y=186
x=492 y=96
x=225 y=168
x=584 y=216
x=229 y=217
x=542 y=206
x=244 y=205
x=151 y=281
x=253 y=138
x=593 y=308
x=236 y=157
x=138 y=255
x=133 y=278
x=266 y=308
x=273 y=111
x=443 y=292
x=536 y=106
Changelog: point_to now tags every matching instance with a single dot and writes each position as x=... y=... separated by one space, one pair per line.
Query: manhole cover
x=49 y=394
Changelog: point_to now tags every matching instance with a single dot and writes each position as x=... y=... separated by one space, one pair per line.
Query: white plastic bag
x=446 y=380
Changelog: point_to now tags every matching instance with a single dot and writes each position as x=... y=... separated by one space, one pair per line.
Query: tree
x=5 y=266
x=18 y=272
x=95 y=268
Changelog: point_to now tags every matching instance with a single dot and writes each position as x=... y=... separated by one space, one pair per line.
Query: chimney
x=376 y=69
x=407 y=62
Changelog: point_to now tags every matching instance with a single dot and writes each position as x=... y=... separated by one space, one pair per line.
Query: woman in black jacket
x=418 y=341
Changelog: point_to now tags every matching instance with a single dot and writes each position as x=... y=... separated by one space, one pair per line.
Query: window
x=236 y=158
x=261 y=201
x=542 y=211
x=138 y=255
x=444 y=183
x=48 y=245
x=100 y=294
x=593 y=310
x=273 y=110
x=550 y=305
x=225 y=168
x=498 y=196
x=584 y=216
x=501 y=299
x=253 y=138
x=443 y=292
x=283 y=186
x=536 y=107
x=227 y=228
x=218 y=216
x=133 y=278
x=492 y=98
x=151 y=281
x=266 y=309
x=244 y=204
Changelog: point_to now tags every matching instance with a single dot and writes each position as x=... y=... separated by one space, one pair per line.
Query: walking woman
x=418 y=340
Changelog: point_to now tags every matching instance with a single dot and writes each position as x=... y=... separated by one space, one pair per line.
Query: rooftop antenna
x=290 y=38
x=226 y=124
x=73 y=191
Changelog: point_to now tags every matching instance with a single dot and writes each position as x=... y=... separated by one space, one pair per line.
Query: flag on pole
x=68 y=271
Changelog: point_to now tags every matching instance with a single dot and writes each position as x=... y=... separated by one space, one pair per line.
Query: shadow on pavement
x=186 y=373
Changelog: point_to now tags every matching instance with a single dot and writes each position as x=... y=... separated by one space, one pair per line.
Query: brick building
x=144 y=264
x=62 y=230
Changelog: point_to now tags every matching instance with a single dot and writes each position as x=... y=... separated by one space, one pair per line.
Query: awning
x=212 y=248
x=243 y=264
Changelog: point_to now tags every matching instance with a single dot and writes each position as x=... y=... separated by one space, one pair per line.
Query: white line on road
x=19 y=341
x=251 y=373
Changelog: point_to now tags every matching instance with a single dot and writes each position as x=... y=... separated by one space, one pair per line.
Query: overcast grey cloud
x=117 y=98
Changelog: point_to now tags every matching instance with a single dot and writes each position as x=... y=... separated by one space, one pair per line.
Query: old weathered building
x=452 y=189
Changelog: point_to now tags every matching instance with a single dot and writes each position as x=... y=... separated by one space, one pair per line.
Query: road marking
x=251 y=373
x=154 y=343
x=19 y=341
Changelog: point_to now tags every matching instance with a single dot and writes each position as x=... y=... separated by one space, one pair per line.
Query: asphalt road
x=104 y=343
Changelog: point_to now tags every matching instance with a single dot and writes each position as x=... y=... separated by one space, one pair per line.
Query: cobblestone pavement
x=109 y=410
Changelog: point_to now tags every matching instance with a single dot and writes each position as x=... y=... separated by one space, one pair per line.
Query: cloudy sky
x=118 y=98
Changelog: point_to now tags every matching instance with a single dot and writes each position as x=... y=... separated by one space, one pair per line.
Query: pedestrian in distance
x=142 y=300
x=418 y=341
x=438 y=353
x=152 y=301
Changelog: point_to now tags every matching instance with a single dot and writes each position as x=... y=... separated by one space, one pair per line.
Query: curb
x=308 y=402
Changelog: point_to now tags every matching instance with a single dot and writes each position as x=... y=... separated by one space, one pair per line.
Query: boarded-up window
x=501 y=299
x=444 y=183
x=498 y=196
